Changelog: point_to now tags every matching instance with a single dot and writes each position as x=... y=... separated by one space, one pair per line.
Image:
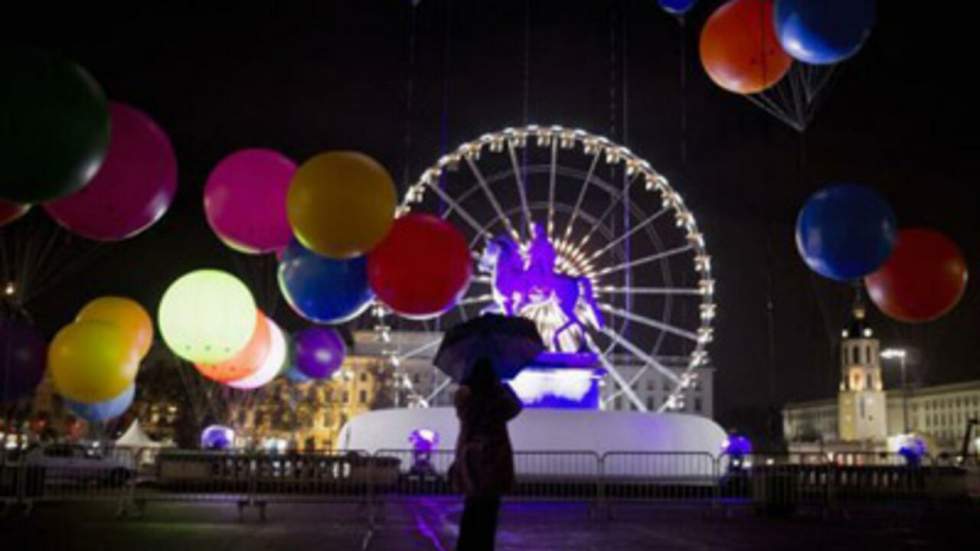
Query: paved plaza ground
x=430 y=524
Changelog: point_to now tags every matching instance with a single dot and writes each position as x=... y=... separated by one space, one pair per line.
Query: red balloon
x=11 y=211
x=923 y=279
x=247 y=361
x=739 y=49
x=422 y=267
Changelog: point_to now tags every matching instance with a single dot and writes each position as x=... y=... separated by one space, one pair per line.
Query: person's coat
x=484 y=464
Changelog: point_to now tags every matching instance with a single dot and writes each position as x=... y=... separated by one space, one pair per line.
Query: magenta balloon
x=132 y=189
x=319 y=351
x=245 y=200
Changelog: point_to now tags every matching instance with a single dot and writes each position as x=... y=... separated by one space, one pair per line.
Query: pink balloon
x=132 y=189
x=245 y=200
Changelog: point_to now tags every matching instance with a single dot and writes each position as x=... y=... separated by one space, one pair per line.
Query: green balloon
x=207 y=316
x=54 y=126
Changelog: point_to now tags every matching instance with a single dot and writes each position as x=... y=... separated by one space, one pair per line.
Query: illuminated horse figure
x=520 y=283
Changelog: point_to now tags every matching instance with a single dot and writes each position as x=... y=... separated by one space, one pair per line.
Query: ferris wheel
x=605 y=256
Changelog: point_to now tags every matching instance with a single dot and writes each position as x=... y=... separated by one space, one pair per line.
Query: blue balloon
x=321 y=289
x=677 y=7
x=217 y=437
x=846 y=231
x=103 y=411
x=822 y=32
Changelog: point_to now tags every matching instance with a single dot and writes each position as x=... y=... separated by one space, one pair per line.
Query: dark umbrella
x=510 y=342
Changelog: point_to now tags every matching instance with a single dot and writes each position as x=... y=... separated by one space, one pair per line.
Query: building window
x=650 y=403
x=363 y=396
x=650 y=385
x=697 y=405
x=618 y=403
x=363 y=376
x=346 y=397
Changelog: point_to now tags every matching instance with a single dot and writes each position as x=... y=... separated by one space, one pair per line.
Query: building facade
x=865 y=416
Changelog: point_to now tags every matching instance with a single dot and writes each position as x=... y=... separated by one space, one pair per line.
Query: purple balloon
x=23 y=355
x=319 y=352
x=132 y=189
x=245 y=200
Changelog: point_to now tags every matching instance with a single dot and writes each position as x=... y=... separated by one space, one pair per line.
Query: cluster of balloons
x=331 y=222
x=748 y=46
x=104 y=170
x=93 y=361
x=847 y=232
x=209 y=318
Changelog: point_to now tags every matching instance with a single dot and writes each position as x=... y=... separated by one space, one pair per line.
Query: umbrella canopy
x=509 y=342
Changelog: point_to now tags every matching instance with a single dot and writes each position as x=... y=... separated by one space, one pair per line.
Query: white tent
x=135 y=437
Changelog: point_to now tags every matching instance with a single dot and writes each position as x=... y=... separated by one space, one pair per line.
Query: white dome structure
x=554 y=430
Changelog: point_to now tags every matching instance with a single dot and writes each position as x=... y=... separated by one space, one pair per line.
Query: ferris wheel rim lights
x=564 y=138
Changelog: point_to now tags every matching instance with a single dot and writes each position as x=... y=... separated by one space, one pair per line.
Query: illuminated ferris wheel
x=586 y=239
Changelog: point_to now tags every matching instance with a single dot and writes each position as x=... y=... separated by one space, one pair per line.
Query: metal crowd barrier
x=771 y=483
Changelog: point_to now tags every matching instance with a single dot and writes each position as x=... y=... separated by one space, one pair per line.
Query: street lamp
x=899 y=354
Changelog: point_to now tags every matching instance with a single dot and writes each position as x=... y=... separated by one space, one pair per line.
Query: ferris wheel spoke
x=672 y=291
x=609 y=246
x=491 y=197
x=551 y=189
x=581 y=195
x=617 y=199
x=521 y=190
x=458 y=209
x=649 y=322
x=648 y=360
x=645 y=260
x=624 y=387
x=438 y=390
x=479 y=299
x=418 y=350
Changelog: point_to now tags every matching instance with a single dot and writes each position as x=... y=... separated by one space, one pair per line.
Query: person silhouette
x=484 y=466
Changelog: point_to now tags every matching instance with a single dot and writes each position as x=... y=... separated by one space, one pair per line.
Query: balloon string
x=409 y=96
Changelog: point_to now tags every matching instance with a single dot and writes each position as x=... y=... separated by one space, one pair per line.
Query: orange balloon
x=245 y=362
x=739 y=49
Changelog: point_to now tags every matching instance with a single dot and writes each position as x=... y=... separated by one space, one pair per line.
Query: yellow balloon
x=91 y=361
x=126 y=313
x=341 y=204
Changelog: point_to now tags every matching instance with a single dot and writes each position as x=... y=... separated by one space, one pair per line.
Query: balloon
x=341 y=204
x=272 y=364
x=133 y=188
x=10 y=212
x=54 y=130
x=103 y=411
x=23 y=355
x=923 y=279
x=125 y=313
x=245 y=200
x=739 y=50
x=422 y=267
x=845 y=231
x=677 y=7
x=217 y=437
x=207 y=316
x=824 y=32
x=320 y=351
x=323 y=290
x=247 y=361
x=91 y=361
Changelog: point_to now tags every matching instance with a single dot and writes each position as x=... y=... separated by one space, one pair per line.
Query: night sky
x=303 y=77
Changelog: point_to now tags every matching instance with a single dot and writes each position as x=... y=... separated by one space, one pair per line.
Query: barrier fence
x=130 y=479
